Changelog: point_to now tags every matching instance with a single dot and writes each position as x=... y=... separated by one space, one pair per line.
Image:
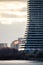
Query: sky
x=13 y=19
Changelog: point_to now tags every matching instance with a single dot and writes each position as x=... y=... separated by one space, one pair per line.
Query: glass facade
x=34 y=33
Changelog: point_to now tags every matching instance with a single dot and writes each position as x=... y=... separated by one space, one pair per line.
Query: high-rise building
x=34 y=30
x=34 y=33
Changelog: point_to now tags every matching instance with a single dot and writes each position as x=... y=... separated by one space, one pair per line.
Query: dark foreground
x=13 y=54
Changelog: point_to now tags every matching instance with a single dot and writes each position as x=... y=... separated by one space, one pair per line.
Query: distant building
x=21 y=44
x=18 y=44
x=15 y=44
x=3 y=45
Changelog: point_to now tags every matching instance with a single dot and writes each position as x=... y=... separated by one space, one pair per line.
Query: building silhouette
x=3 y=45
x=34 y=29
x=34 y=33
x=21 y=44
x=14 y=44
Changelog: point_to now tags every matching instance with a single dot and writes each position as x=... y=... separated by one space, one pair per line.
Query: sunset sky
x=13 y=19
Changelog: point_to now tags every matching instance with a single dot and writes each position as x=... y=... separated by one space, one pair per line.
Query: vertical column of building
x=27 y=25
x=24 y=40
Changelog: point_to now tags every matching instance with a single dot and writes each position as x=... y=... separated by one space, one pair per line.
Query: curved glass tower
x=34 y=30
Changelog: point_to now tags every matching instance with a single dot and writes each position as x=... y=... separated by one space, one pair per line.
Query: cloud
x=12 y=12
x=11 y=20
x=12 y=15
x=13 y=0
